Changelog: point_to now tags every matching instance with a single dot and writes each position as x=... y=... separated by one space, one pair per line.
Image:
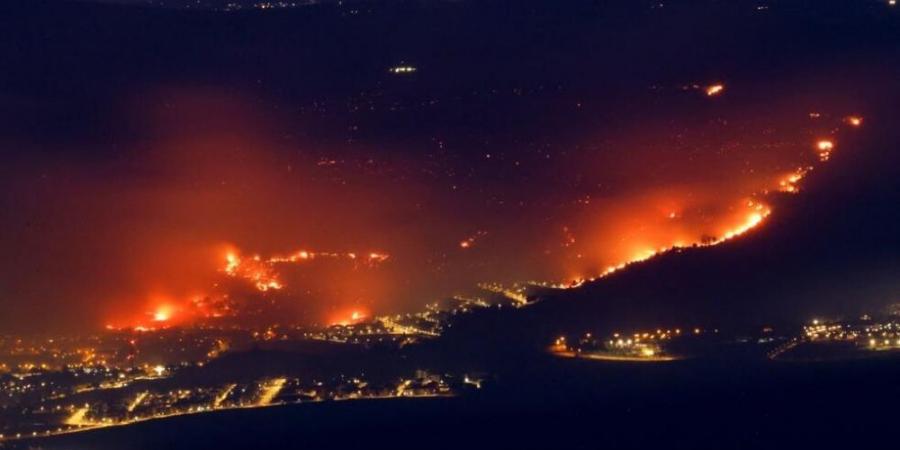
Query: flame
x=714 y=89
x=161 y=315
x=232 y=263
x=254 y=270
x=788 y=183
x=351 y=317
x=262 y=274
x=756 y=212
x=669 y=220
x=824 y=147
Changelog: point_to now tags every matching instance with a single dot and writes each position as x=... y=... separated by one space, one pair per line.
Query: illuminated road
x=782 y=349
x=397 y=328
x=137 y=401
x=223 y=395
x=81 y=425
x=77 y=418
x=611 y=357
x=270 y=391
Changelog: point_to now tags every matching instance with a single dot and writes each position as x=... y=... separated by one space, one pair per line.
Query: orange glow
x=714 y=89
x=351 y=317
x=748 y=215
x=259 y=273
x=788 y=183
x=754 y=213
x=658 y=184
x=378 y=257
x=470 y=241
x=824 y=147
x=161 y=315
x=232 y=263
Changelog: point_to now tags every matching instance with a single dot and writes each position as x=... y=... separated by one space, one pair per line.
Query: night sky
x=142 y=146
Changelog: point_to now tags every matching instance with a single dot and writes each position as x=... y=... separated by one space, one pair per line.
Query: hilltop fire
x=349 y=318
x=552 y=214
x=682 y=220
x=262 y=274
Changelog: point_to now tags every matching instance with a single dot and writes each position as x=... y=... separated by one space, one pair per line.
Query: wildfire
x=757 y=213
x=352 y=318
x=789 y=182
x=259 y=272
x=656 y=223
x=264 y=276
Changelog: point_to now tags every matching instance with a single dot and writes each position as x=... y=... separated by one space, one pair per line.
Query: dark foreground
x=568 y=404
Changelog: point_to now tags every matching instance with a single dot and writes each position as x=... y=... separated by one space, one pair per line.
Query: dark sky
x=534 y=142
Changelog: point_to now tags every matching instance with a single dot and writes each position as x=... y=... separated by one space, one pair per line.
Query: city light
x=402 y=69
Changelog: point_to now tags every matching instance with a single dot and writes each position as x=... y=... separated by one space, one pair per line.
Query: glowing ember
x=232 y=264
x=378 y=257
x=789 y=182
x=824 y=148
x=854 y=121
x=260 y=273
x=469 y=242
x=714 y=89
